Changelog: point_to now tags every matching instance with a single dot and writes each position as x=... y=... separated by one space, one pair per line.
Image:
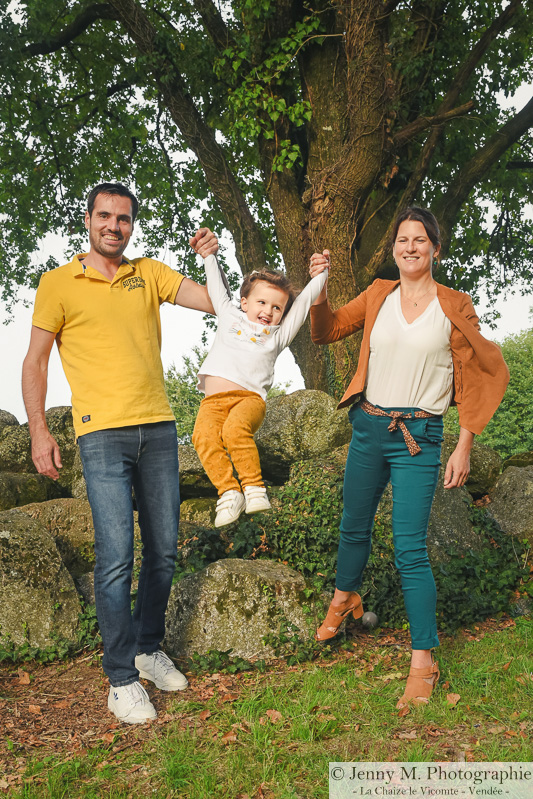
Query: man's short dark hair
x=112 y=188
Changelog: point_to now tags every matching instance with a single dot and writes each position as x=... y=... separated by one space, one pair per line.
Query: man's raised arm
x=44 y=448
x=191 y=294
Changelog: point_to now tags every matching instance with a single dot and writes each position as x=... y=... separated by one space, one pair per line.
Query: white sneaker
x=159 y=668
x=256 y=499
x=229 y=508
x=130 y=703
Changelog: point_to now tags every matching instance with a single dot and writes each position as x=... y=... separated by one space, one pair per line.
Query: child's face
x=265 y=304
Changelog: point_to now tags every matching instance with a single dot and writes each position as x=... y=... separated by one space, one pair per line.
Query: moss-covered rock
x=7 y=420
x=518 y=459
x=485 y=465
x=15 y=452
x=299 y=426
x=21 y=489
x=232 y=604
x=193 y=480
x=512 y=502
x=71 y=524
x=61 y=426
x=38 y=600
x=15 y=449
x=200 y=511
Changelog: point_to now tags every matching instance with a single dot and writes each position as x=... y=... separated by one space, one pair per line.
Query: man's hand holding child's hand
x=204 y=242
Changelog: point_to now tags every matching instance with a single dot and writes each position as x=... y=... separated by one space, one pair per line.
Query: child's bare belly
x=214 y=385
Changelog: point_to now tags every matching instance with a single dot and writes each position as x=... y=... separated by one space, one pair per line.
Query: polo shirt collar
x=81 y=270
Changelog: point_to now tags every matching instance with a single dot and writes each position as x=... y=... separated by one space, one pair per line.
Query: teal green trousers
x=376 y=456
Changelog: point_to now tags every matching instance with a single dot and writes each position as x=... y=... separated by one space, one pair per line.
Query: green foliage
x=470 y=587
x=474 y=585
x=216 y=661
x=84 y=103
x=305 y=533
x=209 y=544
x=183 y=396
x=511 y=428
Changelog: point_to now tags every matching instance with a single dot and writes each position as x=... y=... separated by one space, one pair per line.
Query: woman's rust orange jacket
x=480 y=375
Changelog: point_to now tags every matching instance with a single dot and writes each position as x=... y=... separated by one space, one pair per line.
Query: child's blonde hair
x=277 y=279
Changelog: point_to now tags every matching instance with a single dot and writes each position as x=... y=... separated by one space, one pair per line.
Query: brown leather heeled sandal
x=417 y=690
x=336 y=615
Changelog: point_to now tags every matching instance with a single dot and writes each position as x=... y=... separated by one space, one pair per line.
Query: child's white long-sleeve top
x=243 y=351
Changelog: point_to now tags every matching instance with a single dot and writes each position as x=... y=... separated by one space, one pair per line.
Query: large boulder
x=485 y=465
x=60 y=424
x=450 y=525
x=38 y=600
x=200 y=511
x=71 y=524
x=193 y=480
x=299 y=426
x=512 y=502
x=7 y=420
x=232 y=604
x=518 y=459
x=15 y=451
x=20 y=489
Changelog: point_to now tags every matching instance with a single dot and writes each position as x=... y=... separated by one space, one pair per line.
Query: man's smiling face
x=110 y=225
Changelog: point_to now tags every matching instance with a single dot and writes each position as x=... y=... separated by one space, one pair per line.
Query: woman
x=421 y=351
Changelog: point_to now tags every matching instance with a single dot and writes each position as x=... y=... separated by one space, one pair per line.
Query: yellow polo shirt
x=109 y=338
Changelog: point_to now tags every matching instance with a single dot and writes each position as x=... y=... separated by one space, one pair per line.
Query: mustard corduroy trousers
x=224 y=437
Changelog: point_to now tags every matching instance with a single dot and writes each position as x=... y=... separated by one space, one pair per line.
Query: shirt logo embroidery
x=85 y=419
x=131 y=283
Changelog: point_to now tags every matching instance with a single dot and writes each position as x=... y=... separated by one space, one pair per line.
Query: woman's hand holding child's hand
x=319 y=262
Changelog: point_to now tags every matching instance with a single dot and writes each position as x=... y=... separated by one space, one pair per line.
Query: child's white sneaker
x=229 y=508
x=256 y=499
x=130 y=703
x=159 y=668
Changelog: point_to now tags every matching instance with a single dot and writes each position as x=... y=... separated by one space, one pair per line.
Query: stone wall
x=46 y=533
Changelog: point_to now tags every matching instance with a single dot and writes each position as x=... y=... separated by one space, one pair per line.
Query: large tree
x=295 y=124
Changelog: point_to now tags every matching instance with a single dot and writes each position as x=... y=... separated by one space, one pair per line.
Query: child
x=236 y=376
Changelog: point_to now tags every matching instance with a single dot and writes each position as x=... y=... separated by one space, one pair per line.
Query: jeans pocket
x=352 y=412
x=433 y=430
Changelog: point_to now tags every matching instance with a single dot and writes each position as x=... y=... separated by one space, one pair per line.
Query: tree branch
x=84 y=20
x=422 y=123
x=214 y=24
x=196 y=133
x=487 y=155
x=452 y=95
x=519 y=165
x=466 y=70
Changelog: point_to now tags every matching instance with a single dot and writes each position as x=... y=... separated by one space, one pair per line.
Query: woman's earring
x=435 y=263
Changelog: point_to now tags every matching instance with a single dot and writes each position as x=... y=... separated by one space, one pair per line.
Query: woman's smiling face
x=413 y=249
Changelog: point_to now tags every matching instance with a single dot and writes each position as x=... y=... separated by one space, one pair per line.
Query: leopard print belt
x=398 y=421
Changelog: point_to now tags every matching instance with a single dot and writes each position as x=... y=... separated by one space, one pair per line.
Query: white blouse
x=410 y=365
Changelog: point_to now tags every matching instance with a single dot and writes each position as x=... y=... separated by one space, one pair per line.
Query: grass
x=278 y=731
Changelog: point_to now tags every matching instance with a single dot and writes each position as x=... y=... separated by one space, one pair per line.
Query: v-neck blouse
x=410 y=364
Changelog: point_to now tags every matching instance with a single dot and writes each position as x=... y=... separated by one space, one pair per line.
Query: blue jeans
x=143 y=458
x=376 y=456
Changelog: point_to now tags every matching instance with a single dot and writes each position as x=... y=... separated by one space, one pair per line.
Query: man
x=103 y=311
